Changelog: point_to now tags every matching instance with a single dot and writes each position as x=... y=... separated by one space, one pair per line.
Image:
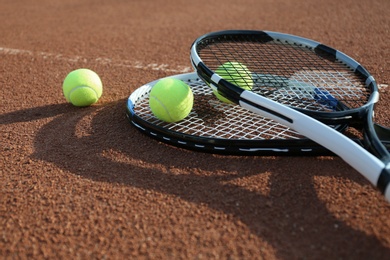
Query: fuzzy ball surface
x=171 y=100
x=82 y=87
x=237 y=74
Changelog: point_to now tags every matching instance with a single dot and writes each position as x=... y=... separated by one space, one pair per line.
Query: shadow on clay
x=99 y=144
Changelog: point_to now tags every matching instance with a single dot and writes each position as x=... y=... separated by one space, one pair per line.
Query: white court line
x=108 y=61
x=100 y=60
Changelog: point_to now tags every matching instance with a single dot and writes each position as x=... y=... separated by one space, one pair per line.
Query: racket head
x=217 y=127
x=341 y=87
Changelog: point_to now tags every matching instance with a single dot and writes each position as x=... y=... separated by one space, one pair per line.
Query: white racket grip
x=387 y=193
x=352 y=153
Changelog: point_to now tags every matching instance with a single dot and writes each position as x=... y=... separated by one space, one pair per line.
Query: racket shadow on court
x=280 y=206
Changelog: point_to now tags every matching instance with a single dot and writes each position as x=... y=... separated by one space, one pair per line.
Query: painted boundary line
x=108 y=61
x=99 y=60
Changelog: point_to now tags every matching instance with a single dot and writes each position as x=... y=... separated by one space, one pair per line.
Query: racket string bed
x=211 y=118
x=294 y=62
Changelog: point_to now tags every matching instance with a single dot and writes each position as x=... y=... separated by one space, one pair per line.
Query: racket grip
x=384 y=181
x=387 y=194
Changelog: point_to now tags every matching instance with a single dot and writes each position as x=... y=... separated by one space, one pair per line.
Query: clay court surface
x=82 y=183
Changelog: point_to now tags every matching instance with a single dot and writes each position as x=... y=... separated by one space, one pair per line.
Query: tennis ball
x=237 y=74
x=82 y=87
x=171 y=100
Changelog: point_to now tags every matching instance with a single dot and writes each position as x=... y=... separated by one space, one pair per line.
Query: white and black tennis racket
x=220 y=128
x=299 y=82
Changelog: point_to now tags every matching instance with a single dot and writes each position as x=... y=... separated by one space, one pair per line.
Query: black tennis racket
x=299 y=82
x=220 y=128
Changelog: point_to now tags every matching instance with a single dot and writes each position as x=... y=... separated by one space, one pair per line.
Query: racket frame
x=352 y=116
x=249 y=147
x=375 y=170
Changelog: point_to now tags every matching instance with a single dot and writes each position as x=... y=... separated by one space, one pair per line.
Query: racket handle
x=387 y=193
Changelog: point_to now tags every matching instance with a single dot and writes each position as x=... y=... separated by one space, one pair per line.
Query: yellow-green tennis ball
x=237 y=74
x=82 y=87
x=171 y=100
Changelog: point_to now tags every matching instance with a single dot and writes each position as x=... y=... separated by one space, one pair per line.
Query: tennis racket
x=302 y=84
x=220 y=128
